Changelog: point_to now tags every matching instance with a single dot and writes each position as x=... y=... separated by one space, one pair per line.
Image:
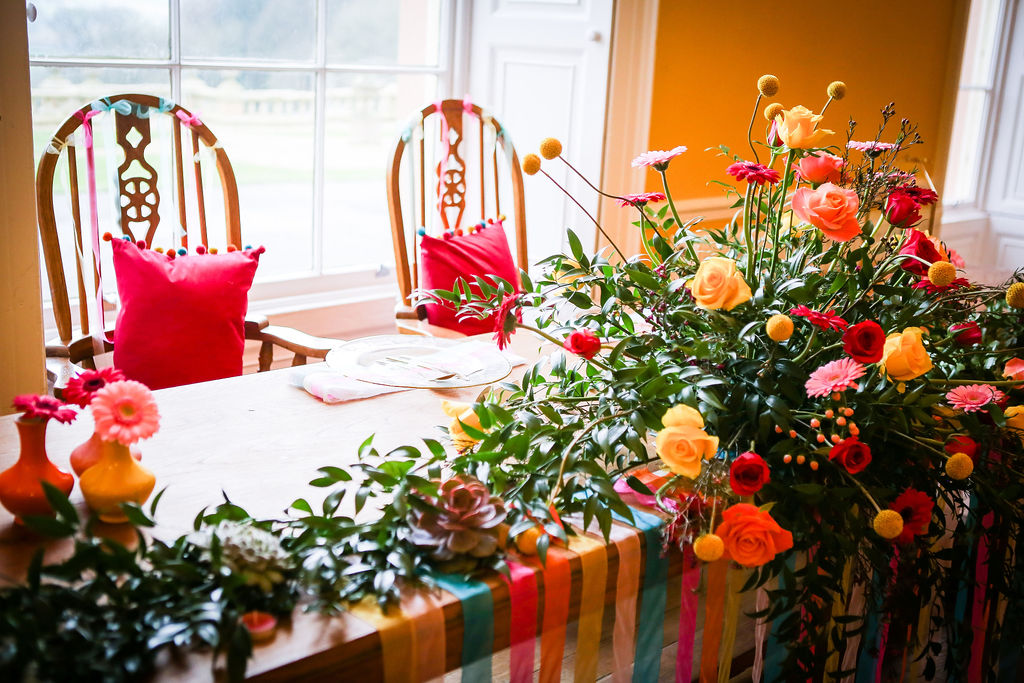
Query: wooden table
x=259 y=439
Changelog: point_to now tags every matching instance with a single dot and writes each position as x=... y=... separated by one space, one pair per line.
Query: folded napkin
x=331 y=386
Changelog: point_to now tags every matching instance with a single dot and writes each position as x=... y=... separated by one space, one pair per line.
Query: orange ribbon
x=713 y=614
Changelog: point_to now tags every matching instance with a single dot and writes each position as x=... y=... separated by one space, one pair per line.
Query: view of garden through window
x=307 y=97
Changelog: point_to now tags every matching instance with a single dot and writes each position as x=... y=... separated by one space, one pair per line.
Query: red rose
x=583 y=343
x=748 y=473
x=851 y=454
x=958 y=443
x=966 y=334
x=864 y=342
x=901 y=209
x=917 y=244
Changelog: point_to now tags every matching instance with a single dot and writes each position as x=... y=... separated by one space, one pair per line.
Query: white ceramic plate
x=409 y=361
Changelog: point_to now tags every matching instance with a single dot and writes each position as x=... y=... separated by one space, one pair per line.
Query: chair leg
x=266 y=355
x=298 y=360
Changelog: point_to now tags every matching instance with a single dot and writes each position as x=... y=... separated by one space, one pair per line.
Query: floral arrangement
x=827 y=404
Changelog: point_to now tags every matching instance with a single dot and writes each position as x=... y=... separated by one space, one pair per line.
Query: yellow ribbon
x=594 y=559
x=396 y=639
x=732 y=617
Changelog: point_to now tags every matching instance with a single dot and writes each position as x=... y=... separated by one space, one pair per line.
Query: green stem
x=750 y=128
x=748 y=238
x=572 y=444
x=807 y=349
x=593 y=220
x=679 y=224
x=786 y=177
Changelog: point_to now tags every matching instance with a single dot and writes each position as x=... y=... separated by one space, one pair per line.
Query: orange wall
x=709 y=56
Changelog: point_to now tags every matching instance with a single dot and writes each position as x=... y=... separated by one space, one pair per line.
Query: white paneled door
x=541 y=67
x=1004 y=195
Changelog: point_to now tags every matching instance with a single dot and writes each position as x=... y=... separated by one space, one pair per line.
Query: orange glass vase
x=115 y=478
x=88 y=453
x=20 y=489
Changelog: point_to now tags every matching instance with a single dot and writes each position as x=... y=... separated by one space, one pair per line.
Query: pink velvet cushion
x=182 y=320
x=442 y=262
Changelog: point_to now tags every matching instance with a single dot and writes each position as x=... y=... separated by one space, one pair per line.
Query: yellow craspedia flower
x=959 y=466
x=531 y=164
x=708 y=547
x=779 y=327
x=768 y=85
x=717 y=284
x=941 y=273
x=1015 y=295
x=904 y=356
x=773 y=110
x=888 y=524
x=836 y=90
x=550 y=148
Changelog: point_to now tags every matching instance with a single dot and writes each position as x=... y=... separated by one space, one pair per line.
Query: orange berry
x=526 y=542
x=815 y=422
x=792 y=433
x=836 y=396
x=841 y=421
x=814 y=465
x=778 y=429
x=821 y=438
x=848 y=412
x=835 y=438
x=787 y=458
x=800 y=460
x=830 y=413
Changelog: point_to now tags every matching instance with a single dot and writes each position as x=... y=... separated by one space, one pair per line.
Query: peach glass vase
x=20 y=489
x=88 y=453
x=115 y=478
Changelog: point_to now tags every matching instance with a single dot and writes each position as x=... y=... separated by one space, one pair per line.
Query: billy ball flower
x=941 y=273
x=779 y=327
x=531 y=164
x=708 y=548
x=550 y=148
x=959 y=466
x=836 y=90
x=768 y=85
x=888 y=524
x=1015 y=295
x=773 y=110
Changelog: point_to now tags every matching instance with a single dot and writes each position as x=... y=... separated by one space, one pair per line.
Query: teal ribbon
x=866 y=661
x=963 y=594
x=477 y=625
x=650 y=635
x=775 y=649
x=144 y=112
x=1010 y=640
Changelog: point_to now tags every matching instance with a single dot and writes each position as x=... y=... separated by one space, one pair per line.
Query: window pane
x=264 y=120
x=383 y=31
x=253 y=29
x=100 y=28
x=365 y=114
x=980 y=43
x=965 y=148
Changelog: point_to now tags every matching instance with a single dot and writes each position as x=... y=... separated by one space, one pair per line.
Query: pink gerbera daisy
x=125 y=411
x=927 y=285
x=755 y=174
x=838 y=375
x=44 y=408
x=641 y=198
x=658 y=159
x=973 y=397
x=825 y=320
x=81 y=388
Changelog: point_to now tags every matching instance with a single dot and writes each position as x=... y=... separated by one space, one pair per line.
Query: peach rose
x=683 y=443
x=717 y=284
x=820 y=168
x=798 y=128
x=1014 y=369
x=829 y=208
x=461 y=414
x=1015 y=420
x=751 y=536
x=904 y=356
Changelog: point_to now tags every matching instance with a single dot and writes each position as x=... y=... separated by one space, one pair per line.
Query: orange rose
x=1014 y=369
x=717 y=284
x=904 y=356
x=1015 y=420
x=683 y=443
x=820 y=168
x=752 y=538
x=461 y=414
x=829 y=208
x=798 y=128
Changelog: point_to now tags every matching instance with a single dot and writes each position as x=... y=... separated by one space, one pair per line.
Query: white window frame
x=320 y=287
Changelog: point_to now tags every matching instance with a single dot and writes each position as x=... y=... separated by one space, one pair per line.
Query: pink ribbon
x=979 y=620
x=99 y=334
x=523 y=622
x=190 y=120
x=883 y=638
x=687 y=617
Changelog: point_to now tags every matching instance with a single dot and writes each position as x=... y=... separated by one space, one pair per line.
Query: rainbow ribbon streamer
x=478 y=610
x=522 y=590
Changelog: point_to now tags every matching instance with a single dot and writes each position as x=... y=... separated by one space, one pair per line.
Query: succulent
x=252 y=553
x=463 y=520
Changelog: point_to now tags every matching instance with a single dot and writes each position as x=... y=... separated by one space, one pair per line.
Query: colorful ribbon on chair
x=99 y=328
x=188 y=120
x=144 y=112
